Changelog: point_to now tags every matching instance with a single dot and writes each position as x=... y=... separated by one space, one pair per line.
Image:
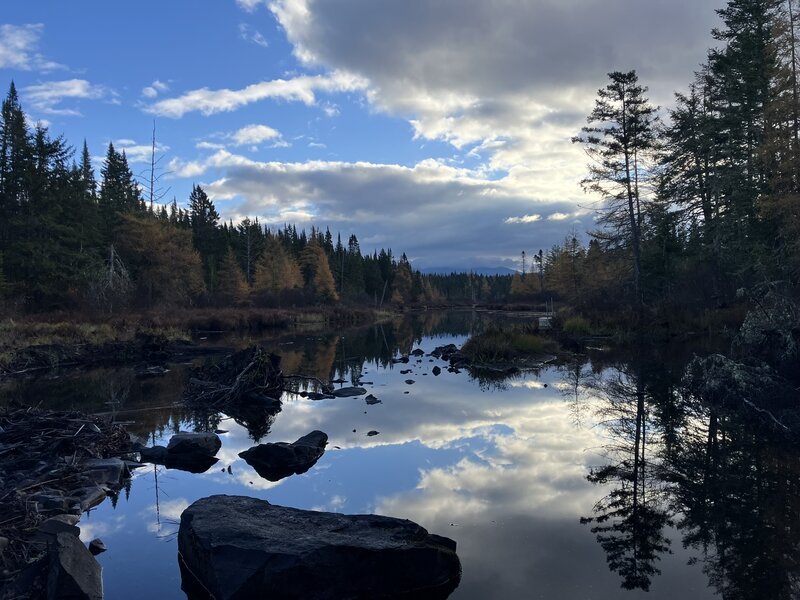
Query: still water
x=593 y=479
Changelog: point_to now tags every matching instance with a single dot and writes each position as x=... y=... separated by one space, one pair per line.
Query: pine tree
x=205 y=235
x=619 y=139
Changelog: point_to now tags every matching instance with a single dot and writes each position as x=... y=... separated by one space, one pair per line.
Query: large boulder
x=239 y=547
x=275 y=461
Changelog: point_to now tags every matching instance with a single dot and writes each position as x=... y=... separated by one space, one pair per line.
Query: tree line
x=703 y=204
x=69 y=240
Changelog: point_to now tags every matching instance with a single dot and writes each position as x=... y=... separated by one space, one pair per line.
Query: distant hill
x=476 y=270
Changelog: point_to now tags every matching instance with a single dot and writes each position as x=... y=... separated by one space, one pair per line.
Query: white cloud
x=508 y=83
x=47 y=97
x=524 y=219
x=205 y=145
x=18 y=48
x=251 y=5
x=139 y=153
x=152 y=90
x=431 y=207
x=250 y=34
x=300 y=89
x=254 y=134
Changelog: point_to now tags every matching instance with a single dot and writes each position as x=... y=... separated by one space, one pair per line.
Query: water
x=508 y=469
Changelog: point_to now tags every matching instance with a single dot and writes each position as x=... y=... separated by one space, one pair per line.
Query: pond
x=591 y=479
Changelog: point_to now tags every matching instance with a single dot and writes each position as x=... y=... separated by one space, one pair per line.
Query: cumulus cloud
x=299 y=89
x=508 y=83
x=47 y=97
x=19 y=48
x=254 y=134
x=430 y=207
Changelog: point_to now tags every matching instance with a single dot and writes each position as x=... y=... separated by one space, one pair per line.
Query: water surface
x=593 y=479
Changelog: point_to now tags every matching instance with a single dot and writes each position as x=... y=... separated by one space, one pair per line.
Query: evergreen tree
x=205 y=235
x=619 y=139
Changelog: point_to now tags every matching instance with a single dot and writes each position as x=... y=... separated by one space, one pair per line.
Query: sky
x=436 y=128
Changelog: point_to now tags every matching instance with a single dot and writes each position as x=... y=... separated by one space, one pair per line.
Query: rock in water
x=74 y=573
x=194 y=443
x=279 y=460
x=239 y=547
x=346 y=392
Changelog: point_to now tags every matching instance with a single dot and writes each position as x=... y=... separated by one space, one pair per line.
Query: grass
x=577 y=325
x=505 y=345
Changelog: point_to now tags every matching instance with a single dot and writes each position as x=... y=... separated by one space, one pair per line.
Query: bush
x=577 y=326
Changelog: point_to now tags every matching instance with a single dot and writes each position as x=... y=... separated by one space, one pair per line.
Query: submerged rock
x=275 y=461
x=371 y=399
x=240 y=547
x=346 y=392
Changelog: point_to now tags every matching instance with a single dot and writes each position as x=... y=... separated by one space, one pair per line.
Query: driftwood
x=251 y=371
x=41 y=475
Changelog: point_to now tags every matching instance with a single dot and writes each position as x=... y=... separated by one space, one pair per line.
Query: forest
x=696 y=211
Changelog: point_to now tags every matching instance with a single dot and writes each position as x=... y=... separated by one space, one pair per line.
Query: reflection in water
x=629 y=522
x=732 y=489
x=502 y=469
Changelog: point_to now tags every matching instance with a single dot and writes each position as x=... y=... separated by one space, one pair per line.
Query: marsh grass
x=505 y=345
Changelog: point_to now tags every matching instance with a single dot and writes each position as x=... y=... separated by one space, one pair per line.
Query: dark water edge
x=598 y=478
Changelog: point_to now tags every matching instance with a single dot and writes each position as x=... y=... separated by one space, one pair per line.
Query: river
x=591 y=479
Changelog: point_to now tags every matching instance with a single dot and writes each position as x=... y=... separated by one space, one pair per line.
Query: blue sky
x=436 y=128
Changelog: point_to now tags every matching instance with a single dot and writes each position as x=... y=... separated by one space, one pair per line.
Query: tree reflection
x=739 y=496
x=731 y=488
x=629 y=521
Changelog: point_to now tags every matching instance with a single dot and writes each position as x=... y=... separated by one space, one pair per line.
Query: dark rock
x=49 y=529
x=340 y=380
x=319 y=396
x=418 y=352
x=275 y=461
x=410 y=381
x=88 y=497
x=194 y=443
x=436 y=371
x=402 y=359
x=50 y=500
x=444 y=352
x=406 y=371
x=73 y=572
x=346 y=392
x=372 y=433
x=156 y=454
x=192 y=462
x=240 y=547
x=105 y=470
x=372 y=400
x=96 y=546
